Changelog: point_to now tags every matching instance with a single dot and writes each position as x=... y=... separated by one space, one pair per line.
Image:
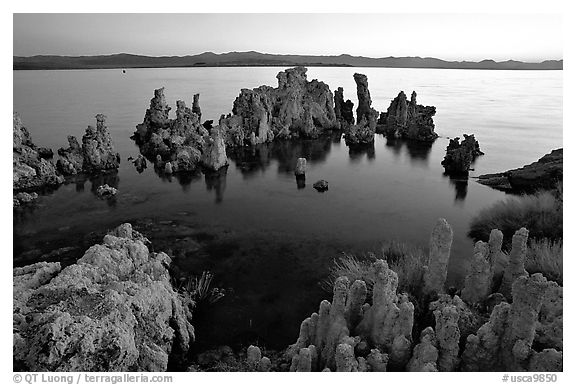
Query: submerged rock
x=460 y=156
x=296 y=108
x=321 y=185
x=408 y=119
x=30 y=171
x=543 y=174
x=106 y=191
x=113 y=310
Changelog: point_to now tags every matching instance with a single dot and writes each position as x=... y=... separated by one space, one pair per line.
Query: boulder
x=321 y=185
x=546 y=173
x=113 y=310
x=106 y=191
x=23 y=198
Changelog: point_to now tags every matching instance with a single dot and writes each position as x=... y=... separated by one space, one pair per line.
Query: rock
x=96 y=154
x=515 y=267
x=71 y=160
x=98 y=149
x=497 y=258
x=140 y=163
x=550 y=319
x=377 y=361
x=343 y=110
x=390 y=316
x=425 y=354
x=359 y=134
x=168 y=168
x=366 y=116
x=106 y=191
x=364 y=109
x=460 y=156
x=440 y=245
x=296 y=108
x=29 y=170
x=180 y=141
x=448 y=337
x=408 y=120
x=300 y=167
x=543 y=174
x=214 y=151
x=478 y=282
x=196 y=106
x=345 y=360
x=113 y=310
x=321 y=185
x=253 y=356
x=45 y=153
x=264 y=365
x=24 y=198
x=505 y=342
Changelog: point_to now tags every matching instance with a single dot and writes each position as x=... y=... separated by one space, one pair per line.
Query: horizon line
x=292 y=54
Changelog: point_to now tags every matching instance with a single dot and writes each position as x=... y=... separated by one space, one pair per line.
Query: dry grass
x=545 y=256
x=198 y=290
x=540 y=213
x=407 y=261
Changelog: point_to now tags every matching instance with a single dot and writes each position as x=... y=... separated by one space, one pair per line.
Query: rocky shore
x=544 y=174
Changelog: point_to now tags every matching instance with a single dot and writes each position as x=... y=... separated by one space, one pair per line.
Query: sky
x=526 y=37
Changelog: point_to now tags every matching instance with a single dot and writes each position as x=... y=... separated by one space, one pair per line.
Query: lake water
x=266 y=240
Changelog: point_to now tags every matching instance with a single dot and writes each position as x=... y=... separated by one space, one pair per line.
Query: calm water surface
x=265 y=239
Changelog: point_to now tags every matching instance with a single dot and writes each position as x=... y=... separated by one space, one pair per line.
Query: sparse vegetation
x=198 y=290
x=545 y=256
x=406 y=260
x=540 y=213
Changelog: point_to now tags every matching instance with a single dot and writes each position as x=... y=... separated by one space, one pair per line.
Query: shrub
x=197 y=290
x=540 y=213
x=545 y=256
x=407 y=261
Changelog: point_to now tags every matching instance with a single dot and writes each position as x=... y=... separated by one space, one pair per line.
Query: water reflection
x=216 y=180
x=357 y=152
x=418 y=152
x=250 y=160
x=460 y=185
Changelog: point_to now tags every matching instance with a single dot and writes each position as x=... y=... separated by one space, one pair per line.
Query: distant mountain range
x=252 y=59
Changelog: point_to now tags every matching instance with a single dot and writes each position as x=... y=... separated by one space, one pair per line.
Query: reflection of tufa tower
x=216 y=180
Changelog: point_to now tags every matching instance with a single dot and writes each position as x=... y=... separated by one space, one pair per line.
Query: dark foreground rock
x=321 y=185
x=460 y=155
x=545 y=174
x=113 y=310
x=407 y=119
x=296 y=108
x=30 y=171
x=96 y=154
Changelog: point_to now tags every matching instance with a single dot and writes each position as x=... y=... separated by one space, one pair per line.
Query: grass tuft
x=540 y=213
x=545 y=256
